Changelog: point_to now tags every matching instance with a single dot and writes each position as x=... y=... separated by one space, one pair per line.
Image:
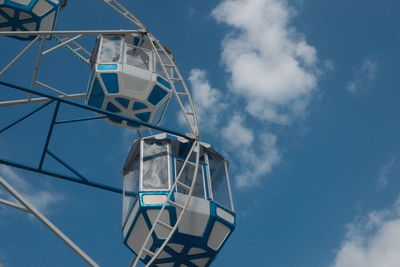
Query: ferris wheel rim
x=186 y=107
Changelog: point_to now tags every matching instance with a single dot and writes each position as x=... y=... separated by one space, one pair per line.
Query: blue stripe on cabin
x=107 y=67
x=156 y=95
x=110 y=80
x=96 y=96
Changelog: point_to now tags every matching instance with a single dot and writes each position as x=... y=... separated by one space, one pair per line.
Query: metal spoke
x=26 y=205
x=12 y=62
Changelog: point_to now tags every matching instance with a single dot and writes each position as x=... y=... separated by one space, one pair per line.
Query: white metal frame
x=172 y=228
x=210 y=189
x=173 y=74
x=174 y=78
x=26 y=206
x=203 y=174
x=228 y=181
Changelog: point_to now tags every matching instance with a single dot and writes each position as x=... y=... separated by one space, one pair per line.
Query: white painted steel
x=37 y=64
x=228 y=180
x=47 y=33
x=50 y=88
x=154 y=254
x=73 y=46
x=117 y=6
x=62 y=44
x=174 y=76
x=13 y=205
x=190 y=115
x=183 y=97
x=13 y=61
x=28 y=206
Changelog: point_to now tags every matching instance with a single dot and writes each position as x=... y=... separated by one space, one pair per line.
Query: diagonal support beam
x=62 y=44
x=12 y=62
x=26 y=116
x=50 y=132
x=66 y=166
x=61 y=176
x=97 y=110
x=28 y=206
x=13 y=205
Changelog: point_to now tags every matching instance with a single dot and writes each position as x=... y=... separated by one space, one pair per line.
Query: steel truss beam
x=47 y=33
x=79 y=178
x=64 y=41
x=24 y=205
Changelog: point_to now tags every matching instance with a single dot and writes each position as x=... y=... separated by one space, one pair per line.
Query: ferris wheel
x=177 y=201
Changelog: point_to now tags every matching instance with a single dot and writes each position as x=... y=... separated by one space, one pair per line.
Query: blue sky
x=301 y=96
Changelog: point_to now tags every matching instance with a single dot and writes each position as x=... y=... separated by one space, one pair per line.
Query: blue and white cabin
x=149 y=172
x=129 y=79
x=29 y=15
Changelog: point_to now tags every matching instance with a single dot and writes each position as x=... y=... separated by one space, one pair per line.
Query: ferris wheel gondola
x=133 y=78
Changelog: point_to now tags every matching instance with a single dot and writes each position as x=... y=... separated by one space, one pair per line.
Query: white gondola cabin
x=128 y=78
x=149 y=173
x=29 y=15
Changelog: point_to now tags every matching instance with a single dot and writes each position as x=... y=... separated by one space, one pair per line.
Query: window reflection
x=219 y=183
x=138 y=57
x=187 y=178
x=110 y=50
x=155 y=167
x=131 y=187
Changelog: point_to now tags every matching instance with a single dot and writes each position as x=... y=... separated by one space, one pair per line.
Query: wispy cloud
x=3 y=259
x=385 y=171
x=40 y=199
x=273 y=74
x=373 y=241
x=364 y=75
x=208 y=100
x=254 y=154
x=237 y=134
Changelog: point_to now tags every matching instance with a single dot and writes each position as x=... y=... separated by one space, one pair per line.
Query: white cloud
x=272 y=75
x=255 y=156
x=373 y=241
x=257 y=161
x=384 y=172
x=270 y=63
x=207 y=100
x=363 y=76
x=236 y=134
x=40 y=199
